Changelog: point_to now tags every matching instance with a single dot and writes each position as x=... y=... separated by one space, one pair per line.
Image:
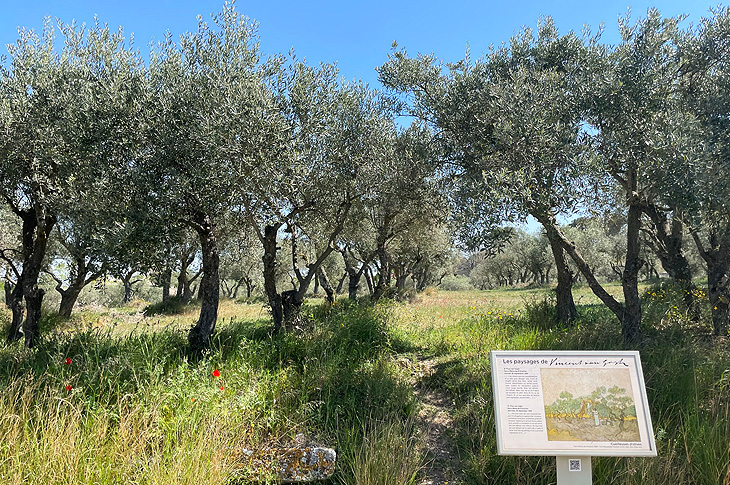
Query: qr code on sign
x=574 y=465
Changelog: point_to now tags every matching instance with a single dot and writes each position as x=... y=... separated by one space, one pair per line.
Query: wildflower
x=216 y=373
x=67 y=361
x=68 y=388
x=222 y=387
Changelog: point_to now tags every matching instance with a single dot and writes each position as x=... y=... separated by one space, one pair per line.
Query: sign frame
x=521 y=403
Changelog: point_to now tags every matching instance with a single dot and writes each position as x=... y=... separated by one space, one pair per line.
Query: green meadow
x=110 y=395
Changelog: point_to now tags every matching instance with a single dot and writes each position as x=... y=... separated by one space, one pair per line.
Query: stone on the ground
x=288 y=465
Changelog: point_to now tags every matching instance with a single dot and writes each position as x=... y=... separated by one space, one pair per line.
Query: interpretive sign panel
x=571 y=403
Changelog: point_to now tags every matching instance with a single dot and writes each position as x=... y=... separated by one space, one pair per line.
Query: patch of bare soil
x=435 y=419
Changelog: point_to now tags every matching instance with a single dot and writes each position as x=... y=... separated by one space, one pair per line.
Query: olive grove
x=217 y=169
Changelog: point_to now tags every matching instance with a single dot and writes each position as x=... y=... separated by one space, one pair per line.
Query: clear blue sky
x=357 y=34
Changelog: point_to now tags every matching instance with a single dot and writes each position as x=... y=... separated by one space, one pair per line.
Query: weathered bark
x=270 y=263
x=291 y=303
x=401 y=276
x=249 y=287
x=81 y=278
x=717 y=258
x=324 y=282
x=420 y=280
x=631 y=324
x=17 y=307
x=32 y=266
x=166 y=278
x=565 y=305
x=233 y=292
x=36 y=229
x=292 y=300
x=31 y=326
x=68 y=300
x=181 y=279
x=199 y=335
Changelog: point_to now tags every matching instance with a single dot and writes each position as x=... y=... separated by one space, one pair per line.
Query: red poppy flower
x=222 y=388
x=216 y=373
x=68 y=388
x=67 y=361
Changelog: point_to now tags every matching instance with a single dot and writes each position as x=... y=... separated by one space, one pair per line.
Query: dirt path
x=435 y=419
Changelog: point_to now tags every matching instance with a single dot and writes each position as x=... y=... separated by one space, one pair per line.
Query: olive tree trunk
x=565 y=305
x=199 y=335
x=631 y=324
x=716 y=255
x=324 y=282
x=269 y=260
x=15 y=302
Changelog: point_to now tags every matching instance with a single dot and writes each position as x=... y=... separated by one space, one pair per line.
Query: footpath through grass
x=94 y=404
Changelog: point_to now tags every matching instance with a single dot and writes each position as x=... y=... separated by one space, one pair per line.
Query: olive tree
x=209 y=124
x=320 y=165
x=66 y=126
x=705 y=84
x=509 y=123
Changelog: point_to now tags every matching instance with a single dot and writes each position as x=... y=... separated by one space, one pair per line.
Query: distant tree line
x=213 y=168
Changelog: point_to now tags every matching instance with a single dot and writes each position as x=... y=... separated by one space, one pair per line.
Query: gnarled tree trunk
x=717 y=258
x=32 y=266
x=17 y=306
x=199 y=335
x=166 y=279
x=614 y=305
x=270 y=263
x=667 y=242
x=81 y=278
x=565 y=305
x=324 y=282
x=631 y=324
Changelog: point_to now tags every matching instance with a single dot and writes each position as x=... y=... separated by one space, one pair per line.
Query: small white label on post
x=574 y=465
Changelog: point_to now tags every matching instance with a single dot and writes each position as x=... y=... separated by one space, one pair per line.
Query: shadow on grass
x=174 y=306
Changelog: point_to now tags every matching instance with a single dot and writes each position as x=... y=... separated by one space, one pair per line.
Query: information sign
x=570 y=403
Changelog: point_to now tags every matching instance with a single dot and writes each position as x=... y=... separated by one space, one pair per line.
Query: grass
x=111 y=397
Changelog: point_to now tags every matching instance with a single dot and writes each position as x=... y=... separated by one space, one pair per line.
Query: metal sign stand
x=575 y=470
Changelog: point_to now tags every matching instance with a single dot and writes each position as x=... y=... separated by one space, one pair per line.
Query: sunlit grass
x=111 y=396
